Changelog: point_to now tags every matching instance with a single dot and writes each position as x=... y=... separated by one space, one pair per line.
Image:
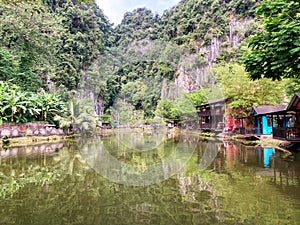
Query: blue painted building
x=263 y=123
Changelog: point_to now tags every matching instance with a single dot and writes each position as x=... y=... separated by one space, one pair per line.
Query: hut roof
x=294 y=102
x=266 y=109
x=214 y=102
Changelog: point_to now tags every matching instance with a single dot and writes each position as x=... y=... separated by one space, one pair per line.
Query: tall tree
x=275 y=50
x=245 y=93
x=29 y=33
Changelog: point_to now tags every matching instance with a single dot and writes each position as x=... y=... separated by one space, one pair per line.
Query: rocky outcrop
x=193 y=69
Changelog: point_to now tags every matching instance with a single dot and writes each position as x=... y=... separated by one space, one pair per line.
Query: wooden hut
x=286 y=123
x=211 y=115
x=263 y=123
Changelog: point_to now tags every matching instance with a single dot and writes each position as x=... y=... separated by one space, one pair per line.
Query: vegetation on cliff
x=68 y=48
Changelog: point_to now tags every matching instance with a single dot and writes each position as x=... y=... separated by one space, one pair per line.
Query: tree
x=81 y=43
x=134 y=93
x=275 y=50
x=8 y=65
x=136 y=25
x=166 y=110
x=181 y=108
x=80 y=116
x=245 y=93
x=292 y=86
x=29 y=33
x=198 y=97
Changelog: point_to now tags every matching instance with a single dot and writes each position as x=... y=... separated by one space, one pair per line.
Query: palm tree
x=81 y=116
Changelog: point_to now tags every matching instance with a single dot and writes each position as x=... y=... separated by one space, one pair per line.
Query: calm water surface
x=148 y=178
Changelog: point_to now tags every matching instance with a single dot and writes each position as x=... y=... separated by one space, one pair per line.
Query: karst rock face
x=193 y=70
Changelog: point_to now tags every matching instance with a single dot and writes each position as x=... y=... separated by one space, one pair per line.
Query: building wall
x=266 y=128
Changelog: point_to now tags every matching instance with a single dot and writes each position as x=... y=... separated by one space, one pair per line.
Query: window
x=269 y=118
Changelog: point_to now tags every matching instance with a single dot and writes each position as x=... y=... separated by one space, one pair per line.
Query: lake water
x=148 y=177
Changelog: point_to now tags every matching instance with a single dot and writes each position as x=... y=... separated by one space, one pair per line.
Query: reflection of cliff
x=140 y=140
x=136 y=172
x=199 y=195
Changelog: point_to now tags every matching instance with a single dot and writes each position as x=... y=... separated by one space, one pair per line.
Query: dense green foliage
x=275 y=50
x=81 y=43
x=141 y=24
x=195 y=22
x=24 y=106
x=134 y=74
x=50 y=43
x=28 y=35
x=70 y=48
x=245 y=93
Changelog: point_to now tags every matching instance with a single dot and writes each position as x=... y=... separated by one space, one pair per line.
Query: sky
x=115 y=9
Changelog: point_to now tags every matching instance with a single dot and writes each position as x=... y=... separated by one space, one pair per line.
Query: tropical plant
x=80 y=116
x=23 y=106
x=50 y=105
x=14 y=104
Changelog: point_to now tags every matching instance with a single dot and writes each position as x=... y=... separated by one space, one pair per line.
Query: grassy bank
x=20 y=141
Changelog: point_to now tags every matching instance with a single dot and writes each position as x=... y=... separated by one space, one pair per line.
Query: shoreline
x=263 y=141
x=33 y=140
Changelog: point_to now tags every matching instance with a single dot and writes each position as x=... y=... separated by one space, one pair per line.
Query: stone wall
x=28 y=129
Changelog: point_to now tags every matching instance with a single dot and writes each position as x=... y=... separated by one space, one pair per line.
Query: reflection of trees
x=80 y=195
x=40 y=164
x=89 y=199
x=246 y=189
x=137 y=167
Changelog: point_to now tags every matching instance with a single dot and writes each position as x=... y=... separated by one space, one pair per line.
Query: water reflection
x=142 y=140
x=30 y=150
x=268 y=153
x=259 y=162
x=124 y=163
x=242 y=185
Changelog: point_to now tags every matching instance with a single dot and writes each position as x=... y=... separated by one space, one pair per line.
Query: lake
x=148 y=177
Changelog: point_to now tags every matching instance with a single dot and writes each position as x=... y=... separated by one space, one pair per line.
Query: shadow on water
x=219 y=183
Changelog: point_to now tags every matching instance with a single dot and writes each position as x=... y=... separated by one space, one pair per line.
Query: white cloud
x=115 y=9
